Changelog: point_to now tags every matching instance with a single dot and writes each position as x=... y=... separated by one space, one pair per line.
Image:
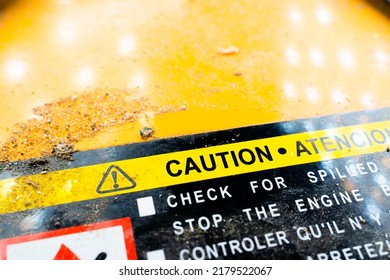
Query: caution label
x=156 y=171
x=305 y=189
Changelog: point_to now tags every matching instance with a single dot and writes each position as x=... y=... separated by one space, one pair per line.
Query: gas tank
x=194 y=130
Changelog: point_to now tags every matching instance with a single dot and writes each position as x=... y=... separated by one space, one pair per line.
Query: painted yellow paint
x=294 y=59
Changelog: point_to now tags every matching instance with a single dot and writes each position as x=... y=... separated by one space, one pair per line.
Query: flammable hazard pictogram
x=115 y=179
x=108 y=240
x=64 y=253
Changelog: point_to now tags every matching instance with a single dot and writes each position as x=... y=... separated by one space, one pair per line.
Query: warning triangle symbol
x=115 y=179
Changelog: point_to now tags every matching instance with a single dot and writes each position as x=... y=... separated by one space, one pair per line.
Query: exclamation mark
x=113 y=174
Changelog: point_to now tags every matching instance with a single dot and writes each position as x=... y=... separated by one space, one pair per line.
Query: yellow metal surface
x=99 y=71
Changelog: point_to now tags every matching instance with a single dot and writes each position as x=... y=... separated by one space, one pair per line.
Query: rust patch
x=72 y=119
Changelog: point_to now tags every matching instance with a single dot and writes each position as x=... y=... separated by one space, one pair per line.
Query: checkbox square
x=146 y=206
x=156 y=255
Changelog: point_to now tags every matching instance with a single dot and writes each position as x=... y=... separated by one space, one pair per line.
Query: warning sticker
x=305 y=189
x=106 y=240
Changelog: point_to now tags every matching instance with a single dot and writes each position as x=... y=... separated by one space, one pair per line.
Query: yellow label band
x=163 y=170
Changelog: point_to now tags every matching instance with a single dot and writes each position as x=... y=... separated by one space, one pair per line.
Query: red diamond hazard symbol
x=106 y=240
x=115 y=179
